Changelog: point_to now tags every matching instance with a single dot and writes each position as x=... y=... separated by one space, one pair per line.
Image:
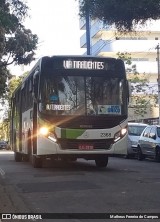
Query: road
x=125 y=186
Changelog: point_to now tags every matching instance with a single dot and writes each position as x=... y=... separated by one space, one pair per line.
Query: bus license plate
x=86 y=146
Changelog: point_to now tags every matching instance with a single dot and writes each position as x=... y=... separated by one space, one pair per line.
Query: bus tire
x=18 y=157
x=25 y=158
x=37 y=162
x=101 y=161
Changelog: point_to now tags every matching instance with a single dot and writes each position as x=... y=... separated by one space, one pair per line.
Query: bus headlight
x=52 y=137
x=120 y=134
x=117 y=136
x=44 y=131
x=123 y=131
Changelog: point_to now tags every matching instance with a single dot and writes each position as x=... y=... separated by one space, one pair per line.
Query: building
x=141 y=46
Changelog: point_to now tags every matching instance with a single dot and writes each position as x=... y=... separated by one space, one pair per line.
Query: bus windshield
x=83 y=95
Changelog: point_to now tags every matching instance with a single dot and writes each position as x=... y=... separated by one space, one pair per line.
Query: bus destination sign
x=92 y=65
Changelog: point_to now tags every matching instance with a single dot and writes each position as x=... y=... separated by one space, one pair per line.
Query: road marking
x=2 y=173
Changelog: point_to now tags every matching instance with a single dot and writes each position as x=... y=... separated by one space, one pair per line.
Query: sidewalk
x=10 y=201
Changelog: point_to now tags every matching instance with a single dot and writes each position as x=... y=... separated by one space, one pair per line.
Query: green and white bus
x=71 y=107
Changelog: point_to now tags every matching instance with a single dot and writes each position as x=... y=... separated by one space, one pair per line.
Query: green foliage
x=124 y=14
x=21 y=46
x=126 y=57
x=14 y=83
x=4 y=75
x=141 y=97
x=4 y=129
x=17 y=44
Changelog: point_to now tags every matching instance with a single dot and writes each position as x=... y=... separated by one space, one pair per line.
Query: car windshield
x=135 y=130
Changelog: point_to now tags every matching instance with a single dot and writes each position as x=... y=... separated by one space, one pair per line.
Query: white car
x=149 y=143
x=134 y=132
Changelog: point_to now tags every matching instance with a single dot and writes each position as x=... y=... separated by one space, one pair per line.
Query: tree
x=4 y=130
x=142 y=96
x=124 y=14
x=17 y=44
x=12 y=85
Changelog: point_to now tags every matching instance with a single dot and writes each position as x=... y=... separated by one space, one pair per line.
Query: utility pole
x=88 y=32
x=158 y=80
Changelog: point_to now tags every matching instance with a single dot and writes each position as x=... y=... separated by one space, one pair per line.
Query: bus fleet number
x=106 y=135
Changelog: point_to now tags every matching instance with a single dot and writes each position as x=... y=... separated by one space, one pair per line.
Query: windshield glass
x=135 y=130
x=81 y=95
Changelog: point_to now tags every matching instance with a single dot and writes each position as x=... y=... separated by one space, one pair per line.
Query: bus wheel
x=37 y=162
x=101 y=161
x=18 y=157
x=25 y=157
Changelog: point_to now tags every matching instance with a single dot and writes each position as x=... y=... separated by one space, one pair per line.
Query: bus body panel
x=120 y=146
x=47 y=147
x=89 y=133
x=27 y=127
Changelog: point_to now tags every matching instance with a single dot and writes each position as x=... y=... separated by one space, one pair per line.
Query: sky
x=56 y=22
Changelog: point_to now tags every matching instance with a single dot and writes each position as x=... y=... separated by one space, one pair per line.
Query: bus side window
x=30 y=85
x=35 y=85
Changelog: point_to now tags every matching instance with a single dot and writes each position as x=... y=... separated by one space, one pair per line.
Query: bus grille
x=74 y=144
